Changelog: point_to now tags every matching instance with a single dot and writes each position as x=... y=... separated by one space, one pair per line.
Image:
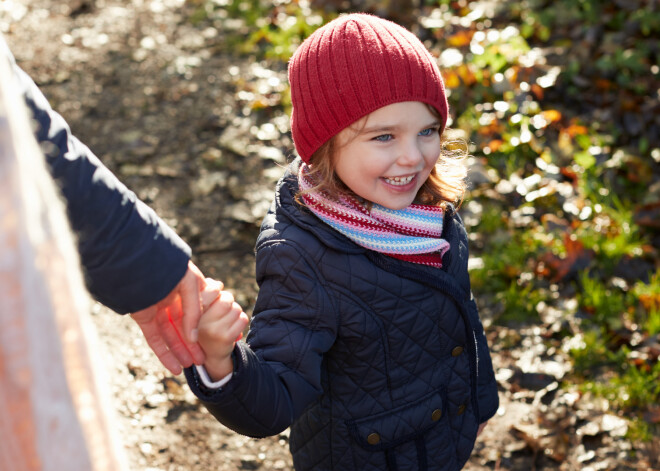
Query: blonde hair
x=446 y=182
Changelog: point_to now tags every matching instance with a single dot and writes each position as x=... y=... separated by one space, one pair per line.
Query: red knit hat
x=352 y=66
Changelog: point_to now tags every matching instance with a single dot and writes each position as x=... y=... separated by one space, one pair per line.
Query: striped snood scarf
x=412 y=234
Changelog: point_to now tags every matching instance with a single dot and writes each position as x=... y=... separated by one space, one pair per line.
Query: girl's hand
x=221 y=325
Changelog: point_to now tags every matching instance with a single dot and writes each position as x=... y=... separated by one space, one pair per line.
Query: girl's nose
x=410 y=154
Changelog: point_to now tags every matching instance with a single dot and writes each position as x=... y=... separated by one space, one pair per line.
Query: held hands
x=220 y=327
x=170 y=326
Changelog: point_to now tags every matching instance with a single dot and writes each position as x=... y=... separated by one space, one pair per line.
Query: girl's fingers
x=227 y=323
x=211 y=292
x=218 y=307
x=239 y=322
x=242 y=324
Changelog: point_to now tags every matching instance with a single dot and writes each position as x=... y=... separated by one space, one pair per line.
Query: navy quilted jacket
x=375 y=363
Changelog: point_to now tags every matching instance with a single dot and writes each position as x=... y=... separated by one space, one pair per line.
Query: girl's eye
x=383 y=138
x=427 y=131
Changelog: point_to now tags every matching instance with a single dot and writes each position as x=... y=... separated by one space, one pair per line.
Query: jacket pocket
x=396 y=426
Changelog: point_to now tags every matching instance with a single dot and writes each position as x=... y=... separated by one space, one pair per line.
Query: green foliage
x=646 y=299
x=648 y=21
x=493 y=219
x=629 y=384
x=605 y=305
x=519 y=301
x=625 y=65
x=591 y=351
x=270 y=30
x=279 y=41
x=500 y=52
x=633 y=388
x=503 y=272
x=611 y=234
x=501 y=102
x=641 y=431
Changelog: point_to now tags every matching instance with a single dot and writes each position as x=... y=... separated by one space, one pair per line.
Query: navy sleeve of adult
x=131 y=259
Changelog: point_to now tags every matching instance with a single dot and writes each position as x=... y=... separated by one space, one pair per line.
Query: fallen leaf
x=460 y=39
x=537 y=90
x=554 y=445
x=577 y=258
x=575 y=130
x=652 y=415
x=551 y=116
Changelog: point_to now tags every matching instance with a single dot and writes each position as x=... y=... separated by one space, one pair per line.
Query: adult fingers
x=165 y=356
x=146 y=321
x=189 y=290
x=179 y=345
x=169 y=332
x=197 y=353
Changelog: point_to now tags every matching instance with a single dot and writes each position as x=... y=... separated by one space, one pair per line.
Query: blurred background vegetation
x=559 y=102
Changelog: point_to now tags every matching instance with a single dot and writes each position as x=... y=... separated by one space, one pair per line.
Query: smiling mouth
x=399 y=181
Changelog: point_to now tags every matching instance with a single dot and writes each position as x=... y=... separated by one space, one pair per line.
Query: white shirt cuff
x=206 y=379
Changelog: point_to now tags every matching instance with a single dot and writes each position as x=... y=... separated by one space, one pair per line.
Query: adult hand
x=170 y=326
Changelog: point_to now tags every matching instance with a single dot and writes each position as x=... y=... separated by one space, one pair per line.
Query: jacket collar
x=298 y=214
x=454 y=262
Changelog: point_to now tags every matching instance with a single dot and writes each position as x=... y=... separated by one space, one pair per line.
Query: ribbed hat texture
x=352 y=66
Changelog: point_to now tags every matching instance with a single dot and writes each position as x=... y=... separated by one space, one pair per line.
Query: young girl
x=365 y=339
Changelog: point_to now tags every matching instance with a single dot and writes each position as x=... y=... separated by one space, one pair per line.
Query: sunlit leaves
x=569 y=168
x=265 y=29
x=497 y=50
x=647 y=296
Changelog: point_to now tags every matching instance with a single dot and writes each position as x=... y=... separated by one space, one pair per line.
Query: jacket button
x=435 y=415
x=373 y=439
x=456 y=351
x=461 y=409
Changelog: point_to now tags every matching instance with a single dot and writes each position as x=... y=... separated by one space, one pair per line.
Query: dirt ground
x=169 y=111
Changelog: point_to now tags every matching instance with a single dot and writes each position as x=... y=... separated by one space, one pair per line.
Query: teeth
x=399 y=180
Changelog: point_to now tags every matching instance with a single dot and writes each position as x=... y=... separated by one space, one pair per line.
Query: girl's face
x=387 y=156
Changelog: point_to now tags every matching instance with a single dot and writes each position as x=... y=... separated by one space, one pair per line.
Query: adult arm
x=132 y=261
x=131 y=258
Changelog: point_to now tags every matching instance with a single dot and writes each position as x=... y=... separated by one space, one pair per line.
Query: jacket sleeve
x=131 y=259
x=277 y=373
